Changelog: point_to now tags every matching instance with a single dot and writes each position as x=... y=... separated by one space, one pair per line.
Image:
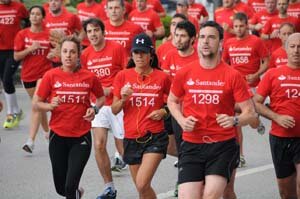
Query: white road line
x=169 y=194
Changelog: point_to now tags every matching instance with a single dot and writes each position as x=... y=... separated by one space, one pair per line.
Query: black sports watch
x=235 y=121
x=96 y=109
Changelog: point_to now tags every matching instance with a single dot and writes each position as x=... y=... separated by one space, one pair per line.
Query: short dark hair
x=215 y=25
x=95 y=22
x=240 y=16
x=40 y=8
x=178 y=15
x=188 y=27
x=122 y=3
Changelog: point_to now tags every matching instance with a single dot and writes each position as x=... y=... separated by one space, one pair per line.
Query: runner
x=169 y=42
x=11 y=14
x=105 y=59
x=148 y=20
x=208 y=89
x=271 y=29
x=182 y=8
x=139 y=91
x=294 y=8
x=117 y=28
x=65 y=91
x=257 y=5
x=198 y=11
x=248 y=55
x=279 y=56
x=184 y=38
x=153 y=4
x=32 y=47
x=282 y=86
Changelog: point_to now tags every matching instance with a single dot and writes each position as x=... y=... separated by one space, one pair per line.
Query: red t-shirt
x=294 y=10
x=225 y=15
x=175 y=62
x=282 y=85
x=10 y=18
x=278 y=58
x=262 y=17
x=148 y=20
x=274 y=24
x=147 y=97
x=257 y=5
x=66 y=21
x=197 y=10
x=85 y=12
x=74 y=89
x=162 y=51
x=123 y=34
x=205 y=93
x=245 y=54
x=35 y=64
x=105 y=63
x=243 y=7
x=153 y=4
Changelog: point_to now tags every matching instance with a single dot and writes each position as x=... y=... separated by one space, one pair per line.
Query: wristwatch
x=235 y=121
x=96 y=109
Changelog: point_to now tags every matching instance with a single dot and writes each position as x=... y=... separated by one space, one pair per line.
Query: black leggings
x=68 y=158
x=8 y=67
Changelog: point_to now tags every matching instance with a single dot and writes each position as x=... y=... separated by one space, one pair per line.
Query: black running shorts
x=285 y=154
x=150 y=143
x=199 y=160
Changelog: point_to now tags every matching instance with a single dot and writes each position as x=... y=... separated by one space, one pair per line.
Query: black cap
x=142 y=42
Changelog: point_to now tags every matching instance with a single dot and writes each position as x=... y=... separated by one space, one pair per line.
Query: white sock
x=111 y=185
x=11 y=102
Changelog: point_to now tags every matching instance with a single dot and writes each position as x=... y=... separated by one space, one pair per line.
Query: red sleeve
x=272 y=61
x=204 y=12
x=262 y=49
x=264 y=86
x=240 y=88
x=77 y=23
x=19 y=42
x=267 y=28
x=97 y=87
x=156 y=21
x=167 y=85
x=158 y=7
x=177 y=87
x=118 y=84
x=165 y=64
x=254 y=19
x=23 y=12
x=45 y=87
x=225 y=54
x=123 y=56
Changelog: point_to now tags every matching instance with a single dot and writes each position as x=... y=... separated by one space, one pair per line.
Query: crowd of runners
x=112 y=67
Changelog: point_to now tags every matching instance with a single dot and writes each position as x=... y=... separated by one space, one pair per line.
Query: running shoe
x=108 y=194
x=28 y=146
x=242 y=161
x=9 y=122
x=20 y=116
x=119 y=165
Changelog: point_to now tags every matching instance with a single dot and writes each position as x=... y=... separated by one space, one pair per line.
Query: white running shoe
x=28 y=146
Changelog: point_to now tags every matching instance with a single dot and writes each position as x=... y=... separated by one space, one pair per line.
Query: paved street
x=29 y=176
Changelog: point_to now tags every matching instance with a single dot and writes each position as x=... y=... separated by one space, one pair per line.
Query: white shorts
x=106 y=119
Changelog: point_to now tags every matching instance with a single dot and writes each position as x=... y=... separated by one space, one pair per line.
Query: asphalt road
x=29 y=176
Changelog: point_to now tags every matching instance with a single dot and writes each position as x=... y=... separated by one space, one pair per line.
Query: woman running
x=139 y=91
x=65 y=91
x=32 y=46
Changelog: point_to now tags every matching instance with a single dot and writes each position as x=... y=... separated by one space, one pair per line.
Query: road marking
x=266 y=167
